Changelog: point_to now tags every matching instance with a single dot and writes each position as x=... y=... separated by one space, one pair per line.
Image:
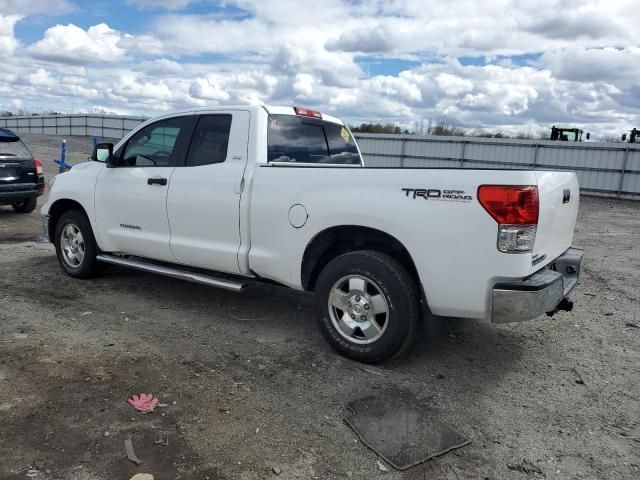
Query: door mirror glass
x=103 y=152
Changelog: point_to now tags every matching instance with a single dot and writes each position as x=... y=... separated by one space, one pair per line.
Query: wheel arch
x=337 y=240
x=57 y=209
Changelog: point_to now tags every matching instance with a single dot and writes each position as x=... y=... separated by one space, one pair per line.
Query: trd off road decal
x=437 y=194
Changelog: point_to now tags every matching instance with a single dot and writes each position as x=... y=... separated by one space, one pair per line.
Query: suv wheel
x=76 y=247
x=26 y=206
x=366 y=305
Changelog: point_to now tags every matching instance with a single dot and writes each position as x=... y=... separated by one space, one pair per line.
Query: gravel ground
x=253 y=392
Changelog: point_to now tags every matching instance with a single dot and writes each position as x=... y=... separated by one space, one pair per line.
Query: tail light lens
x=38 y=166
x=516 y=210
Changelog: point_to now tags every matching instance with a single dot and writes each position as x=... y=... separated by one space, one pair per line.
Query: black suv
x=21 y=179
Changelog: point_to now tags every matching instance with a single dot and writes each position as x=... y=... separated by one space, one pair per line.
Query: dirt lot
x=253 y=392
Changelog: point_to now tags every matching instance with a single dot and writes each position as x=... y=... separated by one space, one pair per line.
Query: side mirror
x=624 y=137
x=103 y=152
x=588 y=135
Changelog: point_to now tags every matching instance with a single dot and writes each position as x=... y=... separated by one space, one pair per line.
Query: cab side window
x=210 y=140
x=154 y=145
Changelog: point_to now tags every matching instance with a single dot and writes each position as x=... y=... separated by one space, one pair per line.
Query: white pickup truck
x=226 y=194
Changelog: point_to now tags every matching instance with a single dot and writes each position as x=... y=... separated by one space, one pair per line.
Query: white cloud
x=364 y=40
x=160 y=66
x=41 y=78
x=453 y=85
x=15 y=104
x=582 y=65
x=146 y=45
x=594 y=64
x=303 y=85
x=8 y=41
x=31 y=7
x=74 y=45
x=208 y=89
x=400 y=88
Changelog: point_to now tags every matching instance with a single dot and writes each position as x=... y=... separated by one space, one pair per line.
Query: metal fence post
x=624 y=167
x=402 y=152
x=535 y=156
x=464 y=147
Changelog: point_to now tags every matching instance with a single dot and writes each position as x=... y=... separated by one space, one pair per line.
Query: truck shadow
x=276 y=316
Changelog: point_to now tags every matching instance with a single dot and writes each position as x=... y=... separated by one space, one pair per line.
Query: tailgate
x=559 y=198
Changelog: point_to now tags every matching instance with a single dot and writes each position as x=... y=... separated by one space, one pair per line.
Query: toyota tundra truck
x=227 y=195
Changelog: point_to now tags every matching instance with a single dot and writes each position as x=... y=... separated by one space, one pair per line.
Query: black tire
x=89 y=266
x=26 y=206
x=393 y=282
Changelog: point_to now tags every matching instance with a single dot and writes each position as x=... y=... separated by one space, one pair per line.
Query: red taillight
x=514 y=205
x=38 y=164
x=307 y=113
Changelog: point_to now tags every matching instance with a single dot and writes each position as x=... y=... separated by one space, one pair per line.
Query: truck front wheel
x=366 y=305
x=76 y=247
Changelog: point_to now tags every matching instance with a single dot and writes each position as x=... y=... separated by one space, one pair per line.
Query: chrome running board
x=173 y=272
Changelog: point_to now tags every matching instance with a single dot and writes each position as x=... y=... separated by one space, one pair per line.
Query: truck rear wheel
x=366 y=305
x=76 y=247
x=26 y=206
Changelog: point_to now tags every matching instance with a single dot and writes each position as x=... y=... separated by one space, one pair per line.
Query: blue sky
x=511 y=65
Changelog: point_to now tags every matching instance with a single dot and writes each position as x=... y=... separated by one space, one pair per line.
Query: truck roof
x=270 y=109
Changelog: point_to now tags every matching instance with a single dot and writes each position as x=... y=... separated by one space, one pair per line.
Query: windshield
x=13 y=147
x=309 y=140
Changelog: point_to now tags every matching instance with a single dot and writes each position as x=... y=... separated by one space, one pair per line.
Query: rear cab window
x=299 y=139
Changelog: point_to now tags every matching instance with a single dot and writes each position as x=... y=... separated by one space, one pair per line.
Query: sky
x=518 y=65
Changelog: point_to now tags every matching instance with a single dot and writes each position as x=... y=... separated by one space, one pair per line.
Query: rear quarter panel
x=452 y=243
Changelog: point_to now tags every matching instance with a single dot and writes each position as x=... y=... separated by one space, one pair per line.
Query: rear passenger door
x=203 y=201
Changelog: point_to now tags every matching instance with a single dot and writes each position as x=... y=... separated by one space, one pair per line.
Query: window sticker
x=344 y=133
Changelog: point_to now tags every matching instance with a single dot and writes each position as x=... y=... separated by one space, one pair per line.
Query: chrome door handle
x=158 y=181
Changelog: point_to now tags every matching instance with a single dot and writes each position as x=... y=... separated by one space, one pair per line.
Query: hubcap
x=358 y=309
x=72 y=245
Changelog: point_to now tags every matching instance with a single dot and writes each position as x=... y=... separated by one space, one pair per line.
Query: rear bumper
x=539 y=293
x=15 y=192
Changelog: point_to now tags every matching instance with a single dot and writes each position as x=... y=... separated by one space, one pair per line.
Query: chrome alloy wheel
x=72 y=243
x=358 y=309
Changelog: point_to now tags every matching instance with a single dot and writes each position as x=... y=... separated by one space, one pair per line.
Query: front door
x=204 y=194
x=131 y=199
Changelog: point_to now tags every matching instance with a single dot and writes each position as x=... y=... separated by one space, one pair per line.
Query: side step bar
x=173 y=273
